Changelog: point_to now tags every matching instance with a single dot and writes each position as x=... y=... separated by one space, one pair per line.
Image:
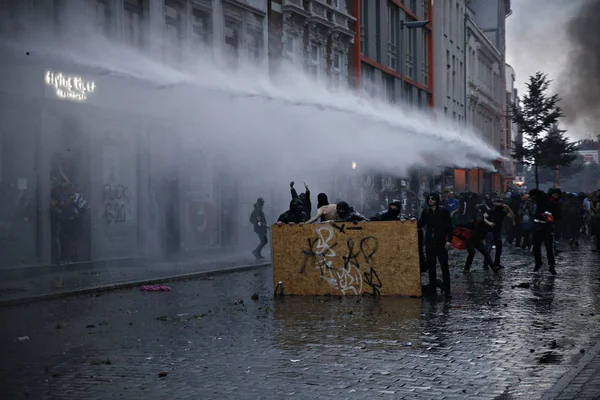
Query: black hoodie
x=258 y=215
x=438 y=223
x=294 y=214
x=388 y=215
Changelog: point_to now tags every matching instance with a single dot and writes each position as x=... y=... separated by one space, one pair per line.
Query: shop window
x=174 y=11
x=201 y=27
x=132 y=21
x=232 y=38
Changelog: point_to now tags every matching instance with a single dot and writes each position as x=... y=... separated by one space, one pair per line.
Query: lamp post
x=408 y=25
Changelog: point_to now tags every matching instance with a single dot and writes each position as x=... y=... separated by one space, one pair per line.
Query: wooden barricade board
x=380 y=258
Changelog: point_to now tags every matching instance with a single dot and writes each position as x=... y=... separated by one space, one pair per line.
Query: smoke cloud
x=579 y=85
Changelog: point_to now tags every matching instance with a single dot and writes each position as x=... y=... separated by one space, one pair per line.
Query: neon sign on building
x=70 y=87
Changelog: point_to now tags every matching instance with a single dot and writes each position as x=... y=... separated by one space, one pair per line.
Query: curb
x=129 y=284
x=564 y=381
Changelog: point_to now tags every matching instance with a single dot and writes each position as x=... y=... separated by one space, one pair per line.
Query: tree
x=536 y=114
x=556 y=150
x=548 y=174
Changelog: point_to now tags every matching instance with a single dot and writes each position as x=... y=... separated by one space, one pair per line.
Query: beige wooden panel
x=347 y=259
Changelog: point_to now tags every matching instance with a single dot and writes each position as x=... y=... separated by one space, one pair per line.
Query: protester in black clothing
x=303 y=197
x=478 y=225
x=258 y=219
x=421 y=240
x=391 y=214
x=514 y=232
x=294 y=215
x=496 y=215
x=438 y=238
x=547 y=210
x=345 y=213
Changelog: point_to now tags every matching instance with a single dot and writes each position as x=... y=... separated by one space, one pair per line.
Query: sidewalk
x=581 y=382
x=21 y=285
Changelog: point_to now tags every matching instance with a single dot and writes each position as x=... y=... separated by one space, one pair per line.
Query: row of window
x=402 y=44
x=390 y=88
x=455 y=79
x=315 y=61
x=453 y=21
x=191 y=23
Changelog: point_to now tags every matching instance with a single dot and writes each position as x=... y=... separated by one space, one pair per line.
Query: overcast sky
x=536 y=41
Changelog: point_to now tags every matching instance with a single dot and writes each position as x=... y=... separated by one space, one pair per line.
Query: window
x=393 y=34
x=425 y=70
x=314 y=60
x=255 y=43
x=174 y=27
x=101 y=15
x=367 y=81
x=390 y=88
x=336 y=70
x=448 y=74
x=450 y=19
x=232 y=37
x=453 y=78
x=201 y=27
x=132 y=21
x=292 y=50
x=363 y=25
x=456 y=34
x=408 y=92
x=378 y=31
x=339 y=4
x=461 y=81
x=412 y=49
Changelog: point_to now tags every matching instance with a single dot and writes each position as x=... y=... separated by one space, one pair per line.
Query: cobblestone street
x=511 y=336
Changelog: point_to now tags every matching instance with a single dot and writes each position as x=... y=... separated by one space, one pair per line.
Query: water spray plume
x=271 y=128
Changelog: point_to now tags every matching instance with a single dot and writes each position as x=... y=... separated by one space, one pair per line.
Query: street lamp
x=408 y=25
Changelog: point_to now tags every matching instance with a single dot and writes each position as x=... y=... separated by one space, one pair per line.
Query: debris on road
x=155 y=288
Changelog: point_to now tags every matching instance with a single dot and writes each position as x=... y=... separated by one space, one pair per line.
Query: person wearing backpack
x=526 y=216
x=259 y=221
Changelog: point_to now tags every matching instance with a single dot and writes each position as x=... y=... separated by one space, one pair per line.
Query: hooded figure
x=546 y=209
x=345 y=213
x=259 y=221
x=325 y=212
x=438 y=237
x=391 y=214
x=303 y=197
x=295 y=215
x=322 y=200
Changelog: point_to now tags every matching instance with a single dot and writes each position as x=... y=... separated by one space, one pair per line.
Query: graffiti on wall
x=116 y=203
x=347 y=276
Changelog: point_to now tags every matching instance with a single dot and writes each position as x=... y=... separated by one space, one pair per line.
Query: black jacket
x=542 y=205
x=387 y=215
x=353 y=216
x=304 y=198
x=438 y=225
x=258 y=216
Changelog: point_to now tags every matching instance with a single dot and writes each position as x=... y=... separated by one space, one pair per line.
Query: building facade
x=507 y=142
x=485 y=92
x=89 y=128
x=449 y=58
x=392 y=62
x=313 y=36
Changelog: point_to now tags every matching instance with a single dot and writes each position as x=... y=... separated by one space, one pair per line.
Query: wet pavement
x=21 y=283
x=511 y=336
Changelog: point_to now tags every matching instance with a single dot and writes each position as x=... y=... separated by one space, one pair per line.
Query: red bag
x=460 y=237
